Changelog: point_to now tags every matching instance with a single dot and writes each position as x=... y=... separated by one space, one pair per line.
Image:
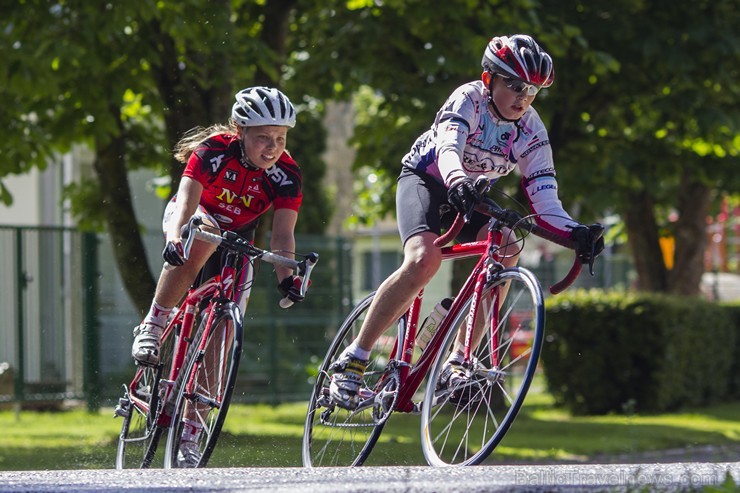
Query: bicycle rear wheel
x=461 y=426
x=334 y=436
x=204 y=394
x=141 y=407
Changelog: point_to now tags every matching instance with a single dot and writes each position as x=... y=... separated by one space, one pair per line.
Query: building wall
x=25 y=189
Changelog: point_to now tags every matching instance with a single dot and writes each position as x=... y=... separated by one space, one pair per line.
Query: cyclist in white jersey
x=485 y=128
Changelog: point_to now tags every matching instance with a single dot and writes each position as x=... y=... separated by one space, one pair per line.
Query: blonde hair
x=193 y=137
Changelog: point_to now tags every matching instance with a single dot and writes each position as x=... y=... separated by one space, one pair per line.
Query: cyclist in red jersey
x=233 y=174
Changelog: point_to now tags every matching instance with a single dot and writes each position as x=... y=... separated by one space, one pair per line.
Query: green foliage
x=643 y=94
x=401 y=59
x=85 y=202
x=306 y=143
x=618 y=352
x=728 y=486
x=734 y=311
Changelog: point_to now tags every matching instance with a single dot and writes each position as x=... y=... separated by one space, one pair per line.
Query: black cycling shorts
x=421 y=205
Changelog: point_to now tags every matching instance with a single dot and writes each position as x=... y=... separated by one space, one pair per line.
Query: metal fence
x=280 y=346
x=47 y=322
x=66 y=320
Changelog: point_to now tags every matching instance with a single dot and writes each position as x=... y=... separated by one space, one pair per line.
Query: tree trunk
x=691 y=238
x=275 y=34
x=183 y=97
x=128 y=248
x=642 y=233
x=277 y=17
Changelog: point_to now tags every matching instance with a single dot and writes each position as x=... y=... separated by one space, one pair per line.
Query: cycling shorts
x=421 y=205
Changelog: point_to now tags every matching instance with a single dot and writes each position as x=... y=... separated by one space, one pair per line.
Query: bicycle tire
x=462 y=426
x=214 y=385
x=141 y=432
x=335 y=437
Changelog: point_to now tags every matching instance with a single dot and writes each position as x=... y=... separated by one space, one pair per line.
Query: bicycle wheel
x=462 y=425
x=334 y=436
x=141 y=407
x=205 y=393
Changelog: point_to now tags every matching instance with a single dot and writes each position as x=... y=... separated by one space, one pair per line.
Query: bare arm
x=283 y=237
x=188 y=198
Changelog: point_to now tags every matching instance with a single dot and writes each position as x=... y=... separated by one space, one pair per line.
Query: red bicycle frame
x=411 y=375
x=182 y=324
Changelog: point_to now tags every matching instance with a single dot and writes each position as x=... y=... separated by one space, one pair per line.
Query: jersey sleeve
x=206 y=160
x=452 y=125
x=541 y=187
x=286 y=177
x=194 y=168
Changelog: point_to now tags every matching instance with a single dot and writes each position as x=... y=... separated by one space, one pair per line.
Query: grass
x=266 y=436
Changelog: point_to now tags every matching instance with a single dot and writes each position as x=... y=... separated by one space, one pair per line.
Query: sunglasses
x=518 y=85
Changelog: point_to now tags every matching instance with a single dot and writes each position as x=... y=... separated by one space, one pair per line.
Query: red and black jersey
x=236 y=194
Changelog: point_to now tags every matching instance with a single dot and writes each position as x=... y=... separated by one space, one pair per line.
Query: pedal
x=122 y=409
x=365 y=394
x=325 y=415
x=324 y=401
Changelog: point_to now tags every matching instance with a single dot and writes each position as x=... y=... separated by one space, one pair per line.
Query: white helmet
x=257 y=106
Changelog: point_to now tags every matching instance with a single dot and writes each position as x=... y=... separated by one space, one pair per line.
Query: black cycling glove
x=463 y=195
x=588 y=248
x=173 y=254
x=290 y=288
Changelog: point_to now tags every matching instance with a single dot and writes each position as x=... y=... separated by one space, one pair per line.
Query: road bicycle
x=203 y=337
x=460 y=425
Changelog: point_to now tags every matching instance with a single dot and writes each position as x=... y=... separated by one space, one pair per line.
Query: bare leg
x=173 y=284
x=421 y=261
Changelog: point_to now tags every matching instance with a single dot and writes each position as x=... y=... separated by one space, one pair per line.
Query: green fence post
x=91 y=364
x=21 y=282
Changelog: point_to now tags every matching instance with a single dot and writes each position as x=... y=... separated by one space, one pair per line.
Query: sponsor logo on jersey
x=550 y=171
x=536 y=143
x=486 y=164
x=231 y=175
x=278 y=176
x=544 y=186
x=231 y=202
x=222 y=219
x=216 y=162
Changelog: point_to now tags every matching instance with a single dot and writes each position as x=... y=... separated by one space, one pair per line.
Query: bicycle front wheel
x=204 y=395
x=141 y=407
x=463 y=420
x=334 y=436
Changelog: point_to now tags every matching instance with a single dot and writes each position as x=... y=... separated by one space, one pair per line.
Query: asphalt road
x=530 y=478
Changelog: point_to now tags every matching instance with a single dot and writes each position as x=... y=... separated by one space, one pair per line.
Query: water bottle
x=430 y=324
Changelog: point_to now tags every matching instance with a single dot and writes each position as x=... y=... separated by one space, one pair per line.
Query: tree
x=129 y=87
x=643 y=116
x=645 y=113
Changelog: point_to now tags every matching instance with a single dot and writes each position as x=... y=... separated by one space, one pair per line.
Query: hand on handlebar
x=290 y=288
x=589 y=242
x=173 y=253
x=463 y=195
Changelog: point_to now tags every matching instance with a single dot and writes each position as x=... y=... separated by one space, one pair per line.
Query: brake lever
x=190 y=237
x=597 y=231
